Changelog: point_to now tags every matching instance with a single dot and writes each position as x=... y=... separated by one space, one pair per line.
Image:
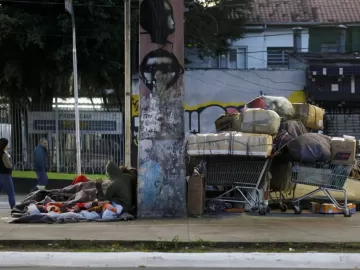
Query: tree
x=36 y=43
x=212 y=25
x=36 y=48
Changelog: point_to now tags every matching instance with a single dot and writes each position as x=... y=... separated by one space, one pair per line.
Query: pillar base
x=161 y=179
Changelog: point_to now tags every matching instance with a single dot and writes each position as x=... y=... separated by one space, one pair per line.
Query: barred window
x=235 y=59
x=278 y=57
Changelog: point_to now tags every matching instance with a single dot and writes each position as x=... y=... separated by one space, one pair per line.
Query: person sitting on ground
x=118 y=189
x=6 y=182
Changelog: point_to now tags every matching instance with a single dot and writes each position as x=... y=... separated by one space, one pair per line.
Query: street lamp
x=69 y=8
x=127 y=111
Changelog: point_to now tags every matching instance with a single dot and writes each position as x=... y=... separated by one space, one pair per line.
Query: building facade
x=266 y=60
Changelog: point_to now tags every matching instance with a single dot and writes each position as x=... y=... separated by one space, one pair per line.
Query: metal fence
x=101 y=132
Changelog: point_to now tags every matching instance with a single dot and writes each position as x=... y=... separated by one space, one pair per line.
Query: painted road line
x=187 y=260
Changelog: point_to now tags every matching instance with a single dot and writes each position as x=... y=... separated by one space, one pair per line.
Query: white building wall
x=256 y=45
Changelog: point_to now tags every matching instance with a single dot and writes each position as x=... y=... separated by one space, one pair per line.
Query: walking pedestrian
x=6 y=182
x=41 y=164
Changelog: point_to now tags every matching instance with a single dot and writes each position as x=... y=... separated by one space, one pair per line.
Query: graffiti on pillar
x=160 y=67
x=161 y=101
x=157 y=19
x=160 y=71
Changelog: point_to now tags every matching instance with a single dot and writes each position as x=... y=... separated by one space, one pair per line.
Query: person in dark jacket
x=6 y=182
x=41 y=164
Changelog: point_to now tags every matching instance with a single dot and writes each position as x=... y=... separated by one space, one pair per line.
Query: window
x=235 y=59
x=278 y=57
x=329 y=47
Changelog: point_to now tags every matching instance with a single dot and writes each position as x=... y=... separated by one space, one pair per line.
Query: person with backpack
x=6 y=182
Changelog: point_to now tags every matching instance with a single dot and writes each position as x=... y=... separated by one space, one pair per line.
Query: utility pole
x=127 y=111
x=70 y=8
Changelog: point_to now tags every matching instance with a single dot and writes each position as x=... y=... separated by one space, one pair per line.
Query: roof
x=317 y=11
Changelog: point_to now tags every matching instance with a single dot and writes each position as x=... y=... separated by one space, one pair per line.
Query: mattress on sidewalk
x=230 y=143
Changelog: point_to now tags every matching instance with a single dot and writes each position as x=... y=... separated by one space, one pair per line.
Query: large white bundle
x=230 y=143
x=260 y=121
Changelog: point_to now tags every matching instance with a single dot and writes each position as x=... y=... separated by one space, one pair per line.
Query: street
x=105 y=268
x=117 y=268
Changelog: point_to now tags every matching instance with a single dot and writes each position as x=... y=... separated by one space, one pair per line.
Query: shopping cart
x=243 y=175
x=327 y=177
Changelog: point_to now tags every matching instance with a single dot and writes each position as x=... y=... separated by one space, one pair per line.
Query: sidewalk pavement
x=239 y=228
x=275 y=227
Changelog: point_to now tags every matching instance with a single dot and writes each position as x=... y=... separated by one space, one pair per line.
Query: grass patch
x=54 y=175
x=175 y=246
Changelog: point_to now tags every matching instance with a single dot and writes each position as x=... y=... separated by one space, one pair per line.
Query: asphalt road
x=137 y=268
x=56 y=268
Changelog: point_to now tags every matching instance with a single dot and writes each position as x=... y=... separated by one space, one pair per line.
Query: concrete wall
x=209 y=93
x=256 y=45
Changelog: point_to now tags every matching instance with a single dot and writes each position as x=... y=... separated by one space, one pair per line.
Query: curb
x=171 y=245
x=188 y=260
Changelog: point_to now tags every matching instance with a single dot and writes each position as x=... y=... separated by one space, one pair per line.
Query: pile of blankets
x=101 y=200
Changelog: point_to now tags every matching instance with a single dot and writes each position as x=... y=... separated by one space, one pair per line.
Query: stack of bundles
x=256 y=121
x=271 y=123
x=230 y=143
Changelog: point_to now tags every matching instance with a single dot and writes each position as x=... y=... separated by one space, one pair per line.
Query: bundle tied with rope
x=230 y=143
x=258 y=121
x=312 y=116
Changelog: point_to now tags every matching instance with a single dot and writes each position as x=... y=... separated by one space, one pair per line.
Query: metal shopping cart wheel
x=283 y=207
x=297 y=209
x=347 y=213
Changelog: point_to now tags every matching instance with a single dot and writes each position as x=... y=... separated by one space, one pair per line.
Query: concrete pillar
x=161 y=180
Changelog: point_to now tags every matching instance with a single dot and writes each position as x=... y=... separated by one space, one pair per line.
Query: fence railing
x=101 y=131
